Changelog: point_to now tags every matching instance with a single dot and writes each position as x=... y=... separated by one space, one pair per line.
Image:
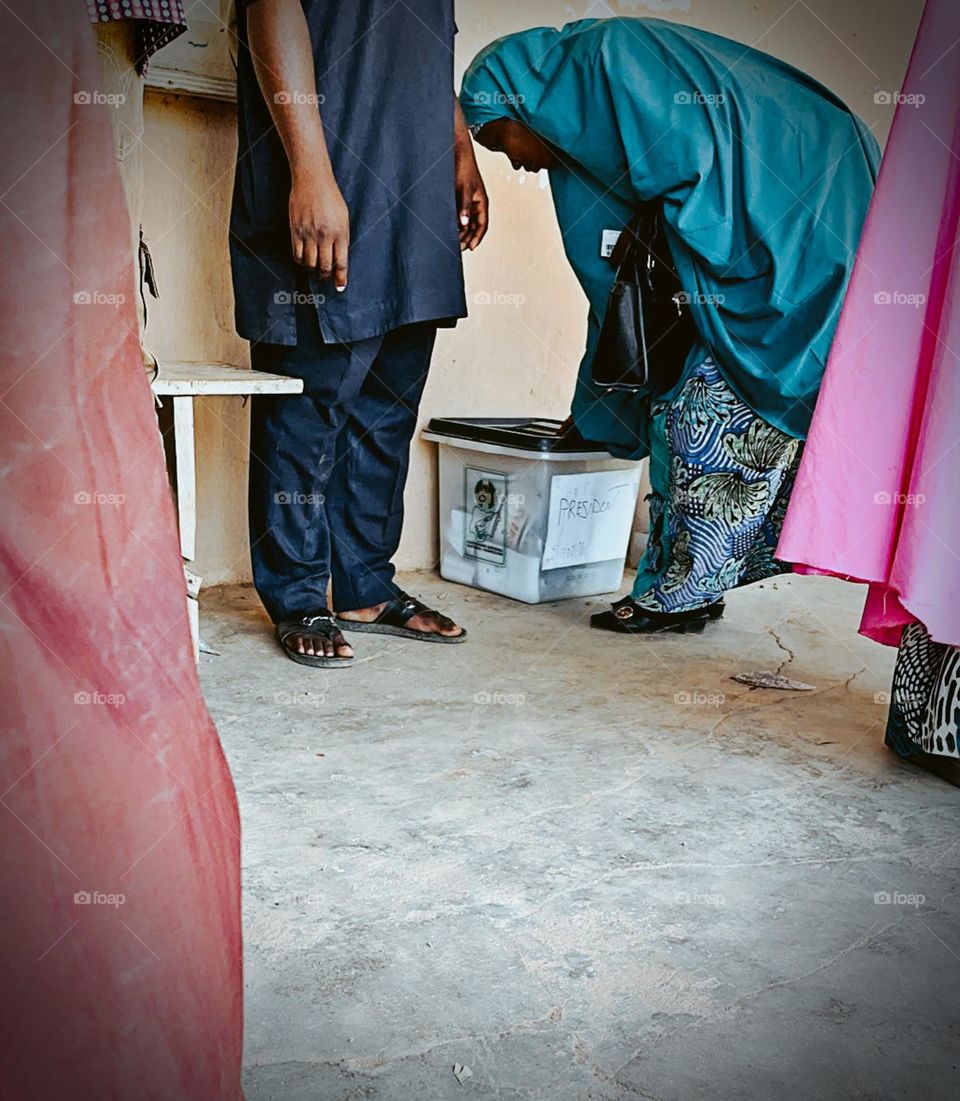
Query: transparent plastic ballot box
x=529 y=511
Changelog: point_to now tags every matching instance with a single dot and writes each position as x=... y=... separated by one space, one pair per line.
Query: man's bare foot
x=314 y=646
x=429 y=622
x=314 y=636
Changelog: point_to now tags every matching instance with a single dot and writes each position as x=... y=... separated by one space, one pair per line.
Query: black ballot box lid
x=522 y=433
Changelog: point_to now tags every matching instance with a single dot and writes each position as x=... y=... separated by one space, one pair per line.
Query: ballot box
x=529 y=511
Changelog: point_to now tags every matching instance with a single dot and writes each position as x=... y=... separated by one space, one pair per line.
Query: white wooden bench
x=182 y=383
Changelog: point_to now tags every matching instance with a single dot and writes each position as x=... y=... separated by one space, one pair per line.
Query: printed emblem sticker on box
x=485 y=520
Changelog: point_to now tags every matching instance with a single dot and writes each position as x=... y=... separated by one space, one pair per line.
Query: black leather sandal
x=626 y=617
x=394 y=618
x=316 y=625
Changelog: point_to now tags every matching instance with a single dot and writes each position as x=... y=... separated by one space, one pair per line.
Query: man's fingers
x=297 y=242
x=479 y=221
x=463 y=218
x=325 y=257
x=340 y=262
x=310 y=252
x=479 y=231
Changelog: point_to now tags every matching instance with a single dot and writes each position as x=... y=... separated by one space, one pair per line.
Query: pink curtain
x=878 y=493
x=120 y=924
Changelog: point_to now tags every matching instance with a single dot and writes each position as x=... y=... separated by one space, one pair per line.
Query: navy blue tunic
x=384 y=77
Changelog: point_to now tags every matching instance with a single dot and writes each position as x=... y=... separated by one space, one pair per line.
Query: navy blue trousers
x=328 y=467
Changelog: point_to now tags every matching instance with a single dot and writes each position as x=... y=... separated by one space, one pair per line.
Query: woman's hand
x=320 y=225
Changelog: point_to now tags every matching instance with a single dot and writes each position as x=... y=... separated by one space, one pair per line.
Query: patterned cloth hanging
x=159 y=22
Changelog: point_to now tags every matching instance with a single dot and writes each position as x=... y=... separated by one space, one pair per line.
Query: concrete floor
x=588 y=867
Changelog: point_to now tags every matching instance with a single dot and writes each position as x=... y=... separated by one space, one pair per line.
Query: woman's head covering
x=764 y=174
x=505 y=74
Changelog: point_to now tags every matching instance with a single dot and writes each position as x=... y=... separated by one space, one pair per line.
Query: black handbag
x=648 y=328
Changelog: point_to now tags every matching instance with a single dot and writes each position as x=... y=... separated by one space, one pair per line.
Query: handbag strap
x=635 y=243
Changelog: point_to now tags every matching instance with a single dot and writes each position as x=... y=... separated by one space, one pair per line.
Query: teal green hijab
x=765 y=177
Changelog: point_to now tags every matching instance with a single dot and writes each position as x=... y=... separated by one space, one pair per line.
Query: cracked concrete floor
x=585 y=866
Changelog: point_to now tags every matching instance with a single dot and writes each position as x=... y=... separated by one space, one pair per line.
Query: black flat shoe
x=626 y=617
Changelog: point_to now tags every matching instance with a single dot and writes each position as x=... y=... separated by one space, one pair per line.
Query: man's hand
x=320 y=225
x=283 y=61
x=472 y=203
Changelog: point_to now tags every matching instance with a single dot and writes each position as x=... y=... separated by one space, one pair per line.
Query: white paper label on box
x=590 y=517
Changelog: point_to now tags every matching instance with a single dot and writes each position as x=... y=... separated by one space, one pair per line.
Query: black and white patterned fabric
x=925 y=704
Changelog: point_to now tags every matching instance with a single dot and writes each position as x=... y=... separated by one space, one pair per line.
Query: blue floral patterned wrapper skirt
x=721 y=478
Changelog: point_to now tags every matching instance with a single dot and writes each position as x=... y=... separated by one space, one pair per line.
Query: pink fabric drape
x=877 y=498
x=120 y=925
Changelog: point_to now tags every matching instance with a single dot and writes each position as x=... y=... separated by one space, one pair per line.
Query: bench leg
x=185 y=446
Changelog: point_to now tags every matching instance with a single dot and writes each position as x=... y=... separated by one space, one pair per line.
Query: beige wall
x=505 y=359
